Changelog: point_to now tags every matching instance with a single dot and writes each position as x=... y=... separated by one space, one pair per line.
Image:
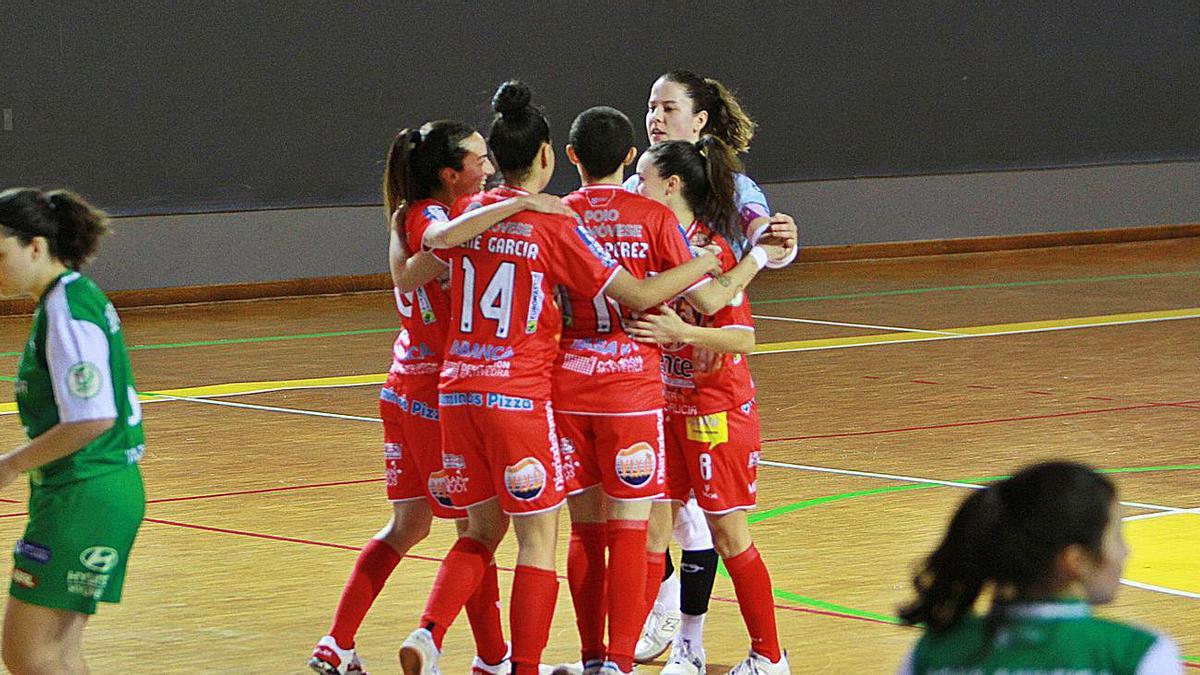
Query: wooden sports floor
x=887 y=389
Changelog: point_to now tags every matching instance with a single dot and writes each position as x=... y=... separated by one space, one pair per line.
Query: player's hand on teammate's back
x=546 y=203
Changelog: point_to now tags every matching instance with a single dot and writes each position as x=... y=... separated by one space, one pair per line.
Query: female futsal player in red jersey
x=608 y=392
x=681 y=107
x=427 y=169
x=499 y=444
x=712 y=420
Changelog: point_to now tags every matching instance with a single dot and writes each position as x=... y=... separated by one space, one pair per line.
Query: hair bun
x=512 y=96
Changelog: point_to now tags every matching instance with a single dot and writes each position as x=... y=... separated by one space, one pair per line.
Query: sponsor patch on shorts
x=24 y=578
x=32 y=550
x=711 y=429
x=526 y=479
x=636 y=464
x=87 y=584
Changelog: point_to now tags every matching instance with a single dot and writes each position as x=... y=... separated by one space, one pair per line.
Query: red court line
x=971 y=423
x=923 y=382
x=263 y=490
x=343 y=547
x=273 y=537
x=9 y=501
x=14 y=515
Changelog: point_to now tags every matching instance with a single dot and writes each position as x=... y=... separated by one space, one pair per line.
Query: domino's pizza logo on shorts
x=526 y=479
x=636 y=464
x=439 y=487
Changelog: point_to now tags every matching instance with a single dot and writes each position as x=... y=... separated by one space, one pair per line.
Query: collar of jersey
x=1066 y=608
x=514 y=188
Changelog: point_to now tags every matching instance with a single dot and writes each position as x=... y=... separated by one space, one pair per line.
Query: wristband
x=761 y=259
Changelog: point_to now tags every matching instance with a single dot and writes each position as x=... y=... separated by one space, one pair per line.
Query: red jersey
x=601 y=369
x=424 y=313
x=698 y=381
x=505 y=324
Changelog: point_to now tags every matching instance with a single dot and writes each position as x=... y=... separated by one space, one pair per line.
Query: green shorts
x=76 y=544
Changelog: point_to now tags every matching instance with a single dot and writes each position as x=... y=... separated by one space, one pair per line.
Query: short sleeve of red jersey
x=418 y=219
x=582 y=262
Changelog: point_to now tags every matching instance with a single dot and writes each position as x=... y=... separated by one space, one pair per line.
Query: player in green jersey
x=76 y=397
x=1046 y=544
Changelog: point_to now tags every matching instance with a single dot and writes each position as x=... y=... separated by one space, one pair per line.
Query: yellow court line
x=239 y=388
x=980 y=331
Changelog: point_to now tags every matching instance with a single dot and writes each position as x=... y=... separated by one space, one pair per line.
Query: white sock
x=691 y=628
x=668 y=594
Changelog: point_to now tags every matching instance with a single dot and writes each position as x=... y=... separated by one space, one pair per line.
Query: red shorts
x=412 y=451
x=714 y=457
x=502 y=447
x=624 y=453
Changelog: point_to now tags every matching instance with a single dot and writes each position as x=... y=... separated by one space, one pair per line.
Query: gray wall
x=161 y=106
x=185 y=250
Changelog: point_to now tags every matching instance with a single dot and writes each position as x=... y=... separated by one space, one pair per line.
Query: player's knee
x=730 y=542
x=32 y=657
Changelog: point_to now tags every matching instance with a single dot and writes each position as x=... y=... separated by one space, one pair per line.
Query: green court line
x=972 y=287
x=757 y=517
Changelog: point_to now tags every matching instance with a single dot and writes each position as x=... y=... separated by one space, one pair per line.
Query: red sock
x=483 y=611
x=456 y=581
x=656 y=562
x=530 y=612
x=371 y=571
x=585 y=575
x=752 y=584
x=627 y=572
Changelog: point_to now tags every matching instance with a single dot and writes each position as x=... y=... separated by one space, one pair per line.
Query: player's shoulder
x=427 y=210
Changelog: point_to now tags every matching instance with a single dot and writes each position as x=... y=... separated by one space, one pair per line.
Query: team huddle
x=588 y=350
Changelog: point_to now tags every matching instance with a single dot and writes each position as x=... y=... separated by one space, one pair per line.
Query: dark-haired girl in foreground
x=77 y=401
x=1046 y=544
x=498 y=435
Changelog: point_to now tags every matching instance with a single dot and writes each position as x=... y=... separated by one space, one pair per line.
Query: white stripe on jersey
x=77 y=355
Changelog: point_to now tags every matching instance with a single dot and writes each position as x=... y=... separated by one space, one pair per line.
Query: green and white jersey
x=75 y=368
x=1044 y=638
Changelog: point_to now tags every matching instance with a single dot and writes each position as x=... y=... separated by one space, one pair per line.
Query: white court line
x=858 y=325
x=931 y=481
x=1145 y=516
x=962 y=336
x=1160 y=589
x=269 y=408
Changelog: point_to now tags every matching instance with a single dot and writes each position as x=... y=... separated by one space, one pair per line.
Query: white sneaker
x=418 y=654
x=480 y=667
x=685 y=659
x=578 y=668
x=610 y=668
x=330 y=659
x=760 y=665
x=658 y=633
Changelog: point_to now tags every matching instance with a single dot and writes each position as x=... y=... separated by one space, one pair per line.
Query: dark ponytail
x=726 y=119
x=71 y=226
x=518 y=130
x=1007 y=537
x=416 y=158
x=707 y=170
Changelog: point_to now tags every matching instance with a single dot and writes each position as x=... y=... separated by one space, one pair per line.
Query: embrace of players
x=529 y=371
